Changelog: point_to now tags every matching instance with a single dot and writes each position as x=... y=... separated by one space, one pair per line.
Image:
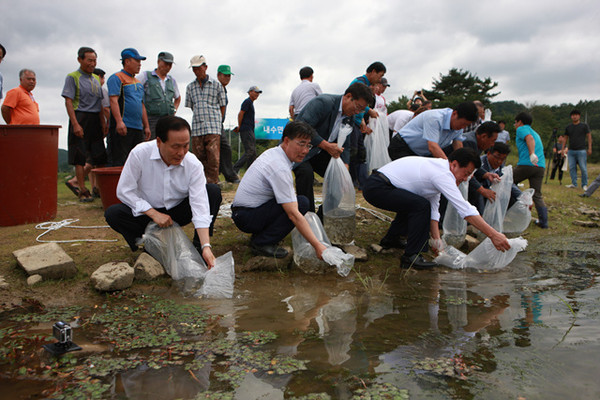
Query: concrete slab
x=48 y=260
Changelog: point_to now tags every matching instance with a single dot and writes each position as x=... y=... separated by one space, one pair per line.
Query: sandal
x=85 y=197
x=73 y=188
x=95 y=192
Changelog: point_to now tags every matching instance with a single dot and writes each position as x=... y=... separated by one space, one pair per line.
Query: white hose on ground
x=65 y=223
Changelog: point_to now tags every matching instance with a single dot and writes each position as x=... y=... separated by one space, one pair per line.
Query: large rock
x=471 y=242
x=261 y=263
x=48 y=260
x=147 y=268
x=113 y=276
x=359 y=253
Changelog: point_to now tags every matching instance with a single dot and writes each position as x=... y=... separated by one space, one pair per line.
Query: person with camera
x=417 y=98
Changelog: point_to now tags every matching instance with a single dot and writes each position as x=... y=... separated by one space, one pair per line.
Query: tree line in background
x=457 y=86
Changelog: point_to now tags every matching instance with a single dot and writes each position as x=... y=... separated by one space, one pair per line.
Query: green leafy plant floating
x=257 y=337
x=381 y=391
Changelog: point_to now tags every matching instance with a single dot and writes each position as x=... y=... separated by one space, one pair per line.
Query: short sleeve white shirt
x=269 y=176
x=304 y=93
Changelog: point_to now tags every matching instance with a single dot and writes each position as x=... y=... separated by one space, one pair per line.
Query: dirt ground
x=88 y=256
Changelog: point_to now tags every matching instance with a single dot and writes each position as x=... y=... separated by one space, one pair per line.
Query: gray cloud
x=536 y=51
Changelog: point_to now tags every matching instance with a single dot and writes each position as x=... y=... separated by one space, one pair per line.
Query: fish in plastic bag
x=175 y=252
x=339 y=197
x=454 y=226
x=377 y=142
x=518 y=217
x=484 y=257
x=218 y=282
x=306 y=258
x=342 y=261
x=494 y=211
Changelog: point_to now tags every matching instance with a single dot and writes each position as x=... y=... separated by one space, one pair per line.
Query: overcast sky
x=538 y=51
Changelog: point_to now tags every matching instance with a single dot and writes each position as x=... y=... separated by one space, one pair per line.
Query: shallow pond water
x=530 y=331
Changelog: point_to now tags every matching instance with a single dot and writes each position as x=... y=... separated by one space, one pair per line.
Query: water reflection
x=518 y=325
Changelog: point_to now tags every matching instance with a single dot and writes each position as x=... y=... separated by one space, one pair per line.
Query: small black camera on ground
x=64 y=334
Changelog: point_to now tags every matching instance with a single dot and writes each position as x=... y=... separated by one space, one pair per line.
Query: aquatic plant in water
x=163 y=334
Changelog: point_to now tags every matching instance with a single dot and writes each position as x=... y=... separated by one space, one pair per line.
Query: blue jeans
x=578 y=157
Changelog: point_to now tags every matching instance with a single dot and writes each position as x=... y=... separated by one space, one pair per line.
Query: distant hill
x=63 y=161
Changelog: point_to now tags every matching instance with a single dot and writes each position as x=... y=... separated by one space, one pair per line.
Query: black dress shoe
x=397 y=243
x=416 y=261
x=269 y=250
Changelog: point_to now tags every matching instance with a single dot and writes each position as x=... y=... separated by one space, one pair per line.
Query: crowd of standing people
x=432 y=152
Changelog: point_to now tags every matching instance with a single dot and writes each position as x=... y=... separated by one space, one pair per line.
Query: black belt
x=382 y=176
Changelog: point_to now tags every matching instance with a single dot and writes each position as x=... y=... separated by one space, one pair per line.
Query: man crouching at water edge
x=411 y=187
x=266 y=204
x=162 y=182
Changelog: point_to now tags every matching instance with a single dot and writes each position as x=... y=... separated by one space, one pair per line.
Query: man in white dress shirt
x=162 y=182
x=266 y=204
x=411 y=187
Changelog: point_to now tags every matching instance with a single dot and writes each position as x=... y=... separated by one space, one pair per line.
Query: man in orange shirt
x=19 y=106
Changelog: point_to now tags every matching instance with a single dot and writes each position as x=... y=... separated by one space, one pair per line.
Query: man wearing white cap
x=207 y=99
x=246 y=129
x=161 y=94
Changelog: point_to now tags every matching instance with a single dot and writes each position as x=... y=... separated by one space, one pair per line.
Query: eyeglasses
x=301 y=144
x=498 y=156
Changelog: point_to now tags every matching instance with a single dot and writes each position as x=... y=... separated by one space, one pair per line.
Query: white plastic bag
x=484 y=257
x=342 y=261
x=494 y=212
x=377 y=143
x=174 y=251
x=454 y=226
x=338 y=203
x=306 y=258
x=451 y=257
x=518 y=217
x=180 y=259
x=218 y=282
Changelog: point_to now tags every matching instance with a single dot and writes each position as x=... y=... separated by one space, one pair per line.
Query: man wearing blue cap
x=129 y=121
x=162 y=96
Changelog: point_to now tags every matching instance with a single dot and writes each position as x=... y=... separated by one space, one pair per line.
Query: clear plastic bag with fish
x=339 y=197
x=518 y=217
x=377 y=142
x=454 y=227
x=494 y=211
x=175 y=252
x=305 y=255
x=484 y=257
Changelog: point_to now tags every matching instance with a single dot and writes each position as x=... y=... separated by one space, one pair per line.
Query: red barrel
x=107 y=179
x=28 y=173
